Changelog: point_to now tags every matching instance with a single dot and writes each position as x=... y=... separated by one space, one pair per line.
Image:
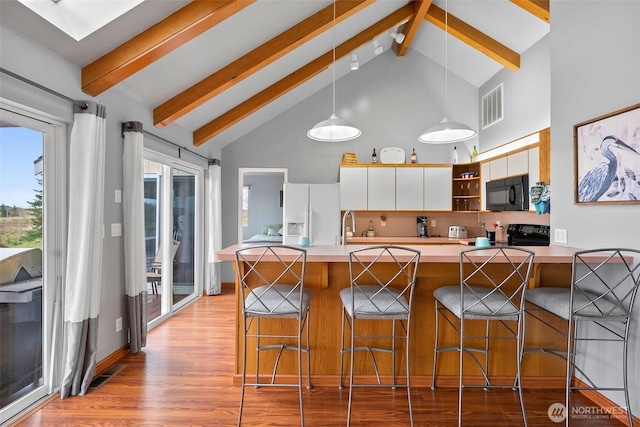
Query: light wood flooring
x=184 y=378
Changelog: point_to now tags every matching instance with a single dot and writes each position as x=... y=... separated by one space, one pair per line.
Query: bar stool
x=492 y=283
x=271 y=286
x=382 y=282
x=603 y=289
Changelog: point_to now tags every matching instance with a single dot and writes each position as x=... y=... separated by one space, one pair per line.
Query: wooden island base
x=328 y=273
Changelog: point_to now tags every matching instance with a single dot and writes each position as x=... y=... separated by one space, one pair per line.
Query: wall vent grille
x=492 y=107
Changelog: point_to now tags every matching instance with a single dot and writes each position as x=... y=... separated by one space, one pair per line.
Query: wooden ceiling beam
x=155 y=42
x=411 y=28
x=254 y=61
x=539 y=8
x=474 y=38
x=293 y=80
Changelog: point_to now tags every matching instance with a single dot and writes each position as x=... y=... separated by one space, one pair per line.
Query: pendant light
x=334 y=129
x=446 y=131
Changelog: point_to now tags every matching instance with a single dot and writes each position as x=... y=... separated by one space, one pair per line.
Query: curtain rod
x=179 y=147
x=81 y=104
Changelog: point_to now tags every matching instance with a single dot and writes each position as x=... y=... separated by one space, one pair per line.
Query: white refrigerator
x=311 y=210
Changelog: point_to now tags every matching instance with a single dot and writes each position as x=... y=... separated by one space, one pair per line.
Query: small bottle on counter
x=501 y=235
x=455 y=155
x=374 y=157
x=414 y=156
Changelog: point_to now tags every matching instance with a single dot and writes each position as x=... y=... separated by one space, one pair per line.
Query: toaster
x=457 y=232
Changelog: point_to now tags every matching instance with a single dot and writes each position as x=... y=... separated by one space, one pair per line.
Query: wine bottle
x=414 y=156
x=455 y=155
x=474 y=154
x=374 y=157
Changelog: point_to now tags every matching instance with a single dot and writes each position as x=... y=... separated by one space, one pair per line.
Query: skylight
x=79 y=18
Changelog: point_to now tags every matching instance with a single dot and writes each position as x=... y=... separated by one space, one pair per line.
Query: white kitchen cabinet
x=518 y=163
x=381 y=189
x=409 y=189
x=485 y=176
x=534 y=170
x=498 y=168
x=437 y=188
x=353 y=188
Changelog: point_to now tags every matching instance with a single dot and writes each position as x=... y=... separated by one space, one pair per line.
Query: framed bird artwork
x=607 y=158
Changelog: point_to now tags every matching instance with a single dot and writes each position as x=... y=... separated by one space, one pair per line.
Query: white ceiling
x=500 y=19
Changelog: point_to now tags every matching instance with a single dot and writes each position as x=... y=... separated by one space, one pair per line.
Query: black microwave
x=509 y=194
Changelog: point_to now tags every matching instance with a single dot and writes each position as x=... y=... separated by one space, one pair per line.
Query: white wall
x=595 y=63
x=527 y=97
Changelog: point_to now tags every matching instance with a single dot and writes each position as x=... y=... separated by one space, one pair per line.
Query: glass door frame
x=166 y=215
x=54 y=220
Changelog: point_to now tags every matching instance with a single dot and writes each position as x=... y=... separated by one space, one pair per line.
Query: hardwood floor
x=184 y=377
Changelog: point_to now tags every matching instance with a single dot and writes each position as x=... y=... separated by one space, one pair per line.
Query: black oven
x=509 y=194
x=528 y=235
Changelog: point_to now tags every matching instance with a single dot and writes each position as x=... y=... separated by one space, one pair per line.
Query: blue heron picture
x=608 y=158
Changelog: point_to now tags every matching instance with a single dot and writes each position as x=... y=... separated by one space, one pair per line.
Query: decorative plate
x=392 y=155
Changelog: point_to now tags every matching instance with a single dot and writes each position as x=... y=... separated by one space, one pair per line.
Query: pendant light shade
x=446 y=131
x=334 y=129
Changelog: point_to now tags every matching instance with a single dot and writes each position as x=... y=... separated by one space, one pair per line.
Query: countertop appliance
x=509 y=194
x=457 y=232
x=311 y=210
x=422 y=226
x=527 y=235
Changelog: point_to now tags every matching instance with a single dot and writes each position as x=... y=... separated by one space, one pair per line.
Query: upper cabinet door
x=485 y=174
x=409 y=189
x=381 y=189
x=498 y=168
x=437 y=188
x=353 y=188
x=518 y=163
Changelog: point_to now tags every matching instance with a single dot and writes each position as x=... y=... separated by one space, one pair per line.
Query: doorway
x=250 y=202
x=173 y=202
x=32 y=206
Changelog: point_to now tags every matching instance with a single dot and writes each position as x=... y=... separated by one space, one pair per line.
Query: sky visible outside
x=19 y=148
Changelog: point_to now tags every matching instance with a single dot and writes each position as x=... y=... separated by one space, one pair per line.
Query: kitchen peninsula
x=328 y=272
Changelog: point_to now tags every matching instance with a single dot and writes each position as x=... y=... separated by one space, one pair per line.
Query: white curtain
x=214 y=239
x=84 y=248
x=134 y=239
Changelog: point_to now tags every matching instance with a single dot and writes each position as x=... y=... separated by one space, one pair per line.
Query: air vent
x=492 y=107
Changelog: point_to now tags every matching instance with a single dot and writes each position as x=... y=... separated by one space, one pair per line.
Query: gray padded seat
x=479 y=303
x=556 y=301
x=373 y=301
x=277 y=301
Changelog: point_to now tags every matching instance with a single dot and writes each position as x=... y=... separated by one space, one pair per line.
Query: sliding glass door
x=32 y=227
x=172 y=201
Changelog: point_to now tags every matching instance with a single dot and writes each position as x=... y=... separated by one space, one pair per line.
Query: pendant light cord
x=334 y=57
x=446 y=58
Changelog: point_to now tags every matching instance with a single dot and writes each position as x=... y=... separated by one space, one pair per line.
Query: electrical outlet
x=118 y=324
x=383 y=223
x=433 y=222
x=116 y=230
x=560 y=235
x=118 y=196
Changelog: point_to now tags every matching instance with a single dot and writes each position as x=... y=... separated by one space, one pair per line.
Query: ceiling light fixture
x=377 y=49
x=446 y=131
x=334 y=129
x=354 y=62
x=398 y=37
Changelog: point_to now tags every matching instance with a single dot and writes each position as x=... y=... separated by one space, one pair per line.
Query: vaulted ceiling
x=221 y=68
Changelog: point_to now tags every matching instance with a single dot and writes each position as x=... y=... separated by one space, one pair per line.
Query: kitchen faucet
x=354 y=225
